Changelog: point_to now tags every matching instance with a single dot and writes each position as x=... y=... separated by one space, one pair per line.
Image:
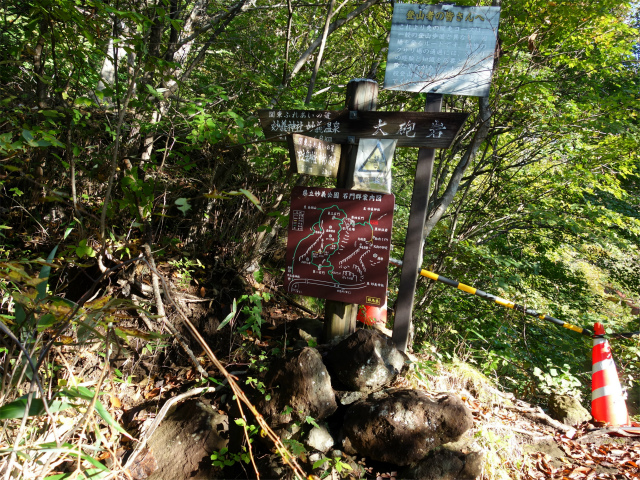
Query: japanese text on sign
x=338 y=244
x=314 y=156
x=410 y=129
x=442 y=48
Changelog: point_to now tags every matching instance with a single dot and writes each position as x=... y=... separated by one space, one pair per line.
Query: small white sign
x=314 y=156
x=442 y=49
x=373 y=165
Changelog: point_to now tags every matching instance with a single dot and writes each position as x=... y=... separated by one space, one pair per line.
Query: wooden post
x=362 y=94
x=412 y=260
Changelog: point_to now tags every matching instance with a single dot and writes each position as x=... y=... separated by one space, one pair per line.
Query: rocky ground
x=356 y=408
x=183 y=422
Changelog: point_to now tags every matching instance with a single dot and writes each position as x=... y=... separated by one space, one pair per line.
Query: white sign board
x=442 y=49
x=314 y=156
x=373 y=165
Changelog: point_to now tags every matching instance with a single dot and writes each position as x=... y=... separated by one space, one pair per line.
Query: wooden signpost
x=362 y=95
x=441 y=49
x=359 y=120
x=433 y=48
x=413 y=246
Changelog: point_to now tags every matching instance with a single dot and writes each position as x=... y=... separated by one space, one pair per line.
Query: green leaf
x=311 y=421
x=16 y=409
x=249 y=195
x=229 y=317
x=124 y=333
x=27 y=135
x=319 y=463
x=154 y=92
x=46 y=321
x=84 y=250
x=183 y=205
x=45 y=271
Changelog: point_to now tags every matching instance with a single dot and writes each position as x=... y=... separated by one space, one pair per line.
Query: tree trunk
x=480 y=136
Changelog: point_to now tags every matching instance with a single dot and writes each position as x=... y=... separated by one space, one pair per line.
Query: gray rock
x=183 y=443
x=311 y=327
x=309 y=332
x=289 y=431
x=567 y=410
x=366 y=361
x=446 y=465
x=319 y=439
x=302 y=383
x=404 y=426
x=347 y=398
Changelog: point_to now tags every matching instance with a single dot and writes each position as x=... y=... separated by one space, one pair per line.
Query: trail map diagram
x=338 y=244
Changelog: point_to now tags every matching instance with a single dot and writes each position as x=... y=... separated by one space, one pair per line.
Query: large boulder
x=183 y=443
x=365 y=361
x=301 y=383
x=403 y=426
x=567 y=410
x=446 y=465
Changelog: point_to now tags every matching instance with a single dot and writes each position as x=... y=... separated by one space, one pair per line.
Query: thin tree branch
x=454 y=182
x=323 y=41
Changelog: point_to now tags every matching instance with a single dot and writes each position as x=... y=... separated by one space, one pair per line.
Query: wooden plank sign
x=313 y=156
x=410 y=129
x=321 y=124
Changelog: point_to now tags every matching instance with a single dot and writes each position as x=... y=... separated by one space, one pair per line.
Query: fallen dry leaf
x=115 y=401
x=152 y=393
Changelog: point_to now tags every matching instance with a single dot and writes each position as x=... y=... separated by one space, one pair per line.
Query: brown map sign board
x=338 y=244
x=410 y=129
x=314 y=156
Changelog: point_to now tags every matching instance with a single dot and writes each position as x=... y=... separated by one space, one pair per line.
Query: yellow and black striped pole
x=500 y=301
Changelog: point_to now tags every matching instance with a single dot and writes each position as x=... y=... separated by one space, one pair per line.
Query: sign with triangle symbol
x=376 y=161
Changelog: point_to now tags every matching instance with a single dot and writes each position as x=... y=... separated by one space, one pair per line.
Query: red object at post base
x=607 y=402
x=373 y=315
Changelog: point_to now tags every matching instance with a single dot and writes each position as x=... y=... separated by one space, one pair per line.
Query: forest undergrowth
x=143 y=220
x=109 y=366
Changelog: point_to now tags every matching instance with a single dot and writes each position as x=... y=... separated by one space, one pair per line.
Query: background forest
x=129 y=127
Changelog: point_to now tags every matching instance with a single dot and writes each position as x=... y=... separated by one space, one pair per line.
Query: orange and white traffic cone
x=607 y=402
x=370 y=315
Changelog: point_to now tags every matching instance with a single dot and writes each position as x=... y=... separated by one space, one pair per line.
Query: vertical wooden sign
x=362 y=94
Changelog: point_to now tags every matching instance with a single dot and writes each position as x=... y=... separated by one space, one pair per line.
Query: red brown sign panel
x=339 y=243
x=410 y=129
